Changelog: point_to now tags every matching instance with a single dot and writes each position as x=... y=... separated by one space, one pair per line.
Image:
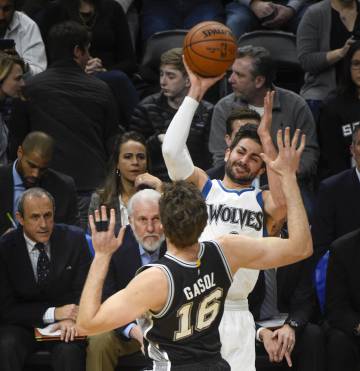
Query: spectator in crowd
x=111 y=52
x=238 y=118
x=43 y=267
x=24 y=31
x=11 y=83
x=153 y=114
x=343 y=304
x=157 y=15
x=142 y=244
x=337 y=210
x=31 y=169
x=323 y=39
x=128 y=164
x=245 y=16
x=252 y=76
x=75 y=109
x=286 y=297
x=339 y=117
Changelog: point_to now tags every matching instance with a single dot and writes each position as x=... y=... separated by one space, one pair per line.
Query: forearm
x=91 y=296
x=298 y=224
x=175 y=153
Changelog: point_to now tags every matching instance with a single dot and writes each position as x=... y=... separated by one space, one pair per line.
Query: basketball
x=209 y=49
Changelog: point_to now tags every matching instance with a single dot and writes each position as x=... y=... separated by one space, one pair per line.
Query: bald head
x=40 y=143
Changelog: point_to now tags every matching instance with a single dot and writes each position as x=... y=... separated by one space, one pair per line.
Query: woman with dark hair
x=339 y=117
x=11 y=82
x=128 y=167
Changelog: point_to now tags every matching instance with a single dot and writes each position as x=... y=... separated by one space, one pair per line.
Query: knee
x=338 y=341
x=101 y=343
x=9 y=341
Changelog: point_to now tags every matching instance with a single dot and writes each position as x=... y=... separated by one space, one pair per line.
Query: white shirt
x=28 y=42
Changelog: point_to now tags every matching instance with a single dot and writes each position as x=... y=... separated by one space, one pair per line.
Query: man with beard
x=142 y=244
x=24 y=31
x=234 y=207
x=31 y=169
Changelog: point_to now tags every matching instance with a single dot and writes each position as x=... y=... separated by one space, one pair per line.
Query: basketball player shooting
x=182 y=297
x=234 y=207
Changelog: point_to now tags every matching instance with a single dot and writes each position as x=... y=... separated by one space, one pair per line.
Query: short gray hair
x=145 y=195
x=34 y=192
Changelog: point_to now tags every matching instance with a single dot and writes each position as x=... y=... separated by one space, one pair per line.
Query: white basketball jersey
x=237 y=212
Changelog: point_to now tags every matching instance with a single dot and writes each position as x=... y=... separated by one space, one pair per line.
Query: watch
x=292 y=323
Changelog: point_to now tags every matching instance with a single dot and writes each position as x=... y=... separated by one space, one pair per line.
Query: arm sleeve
x=308 y=38
x=217 y=145
x=175 y=152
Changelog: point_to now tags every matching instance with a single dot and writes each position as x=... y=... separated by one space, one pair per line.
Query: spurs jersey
x=186 y=329
x=236 y=212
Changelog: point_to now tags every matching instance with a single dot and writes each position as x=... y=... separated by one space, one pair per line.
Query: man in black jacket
x=76 y=109
x=343 y=303
x=337 y=210
x=287 y=292
x=153 y=115
x=43 y=267
x=31 y=169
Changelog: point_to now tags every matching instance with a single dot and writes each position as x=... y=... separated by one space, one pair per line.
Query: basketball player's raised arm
x=272 y=252
x=126 y=305
x=176 y=155
x=274 y=200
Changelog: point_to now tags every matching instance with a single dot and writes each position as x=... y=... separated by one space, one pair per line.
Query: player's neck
x=228 y=183
x=188 y=253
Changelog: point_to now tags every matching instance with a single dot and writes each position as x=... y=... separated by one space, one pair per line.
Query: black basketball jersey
x=186 y=329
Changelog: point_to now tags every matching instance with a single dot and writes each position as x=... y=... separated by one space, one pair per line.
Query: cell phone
x=7 y=44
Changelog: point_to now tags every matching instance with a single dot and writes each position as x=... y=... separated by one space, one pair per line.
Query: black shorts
x=217 y=365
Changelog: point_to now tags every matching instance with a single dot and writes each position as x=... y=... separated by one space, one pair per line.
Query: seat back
x=282 y=48
x=157 y=44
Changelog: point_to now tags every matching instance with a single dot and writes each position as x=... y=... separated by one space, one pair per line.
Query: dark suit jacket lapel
x=58 y=254
x=23 y=260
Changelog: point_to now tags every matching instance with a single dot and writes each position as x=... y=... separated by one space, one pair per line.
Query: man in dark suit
x=338 y=203
x=343 y=303
x=43 y=267
x=287 y=292
x=143 y=244
x=31 y=170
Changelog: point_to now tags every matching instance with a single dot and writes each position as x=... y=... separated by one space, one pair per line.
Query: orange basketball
x=209 y=48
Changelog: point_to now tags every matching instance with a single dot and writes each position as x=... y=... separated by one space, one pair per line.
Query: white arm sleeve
x=176 y=155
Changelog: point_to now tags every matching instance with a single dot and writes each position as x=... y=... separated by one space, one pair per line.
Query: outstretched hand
x=199 y=84
x=264 y=127
x=288 y=159
x=103 y=238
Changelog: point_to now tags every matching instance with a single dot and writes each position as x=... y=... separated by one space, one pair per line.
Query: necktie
x=43 y=264
x=269 y=306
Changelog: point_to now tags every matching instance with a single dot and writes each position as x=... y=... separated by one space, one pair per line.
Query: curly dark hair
x=246 y=131
x=183 y=213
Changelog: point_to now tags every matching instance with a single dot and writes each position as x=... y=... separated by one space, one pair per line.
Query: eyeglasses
x=355 y=64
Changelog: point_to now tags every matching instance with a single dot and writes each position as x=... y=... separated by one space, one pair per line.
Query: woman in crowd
x=324 y=37
x=339 y=117
x=11 y=83
x=127 y=173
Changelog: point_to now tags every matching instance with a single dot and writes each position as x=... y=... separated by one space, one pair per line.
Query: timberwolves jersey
x=232 y=211
x=237 y=212
x=186 y=329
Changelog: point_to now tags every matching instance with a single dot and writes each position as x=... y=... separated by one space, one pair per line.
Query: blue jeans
x=240 y=19
x=161 y=15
